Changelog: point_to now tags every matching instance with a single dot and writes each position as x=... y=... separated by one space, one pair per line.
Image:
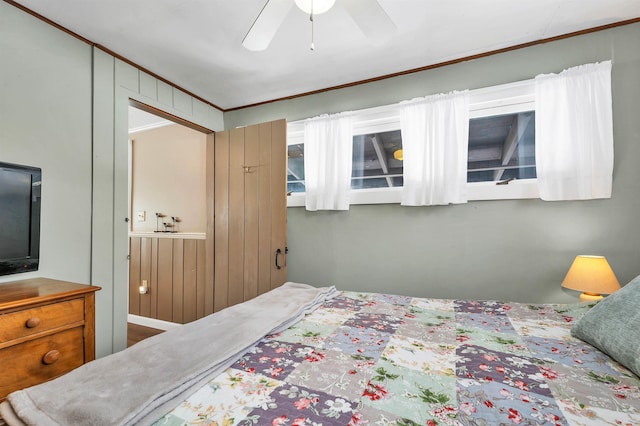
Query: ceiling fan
x=368 y=15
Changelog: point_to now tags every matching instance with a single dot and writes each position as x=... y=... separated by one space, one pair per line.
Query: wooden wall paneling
x=221 y=221
x=165 y=279
x=266 y=257
x=236 y=216
x=200 y=278
x=134 y=276
x=153 y=284
x=178 y=281
x=189 y=302
x=175 y=270
x=252 y=174
x=145 y=274
x=210 y=231
x=279 y=197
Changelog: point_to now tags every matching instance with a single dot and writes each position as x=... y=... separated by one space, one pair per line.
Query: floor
x=136 y=333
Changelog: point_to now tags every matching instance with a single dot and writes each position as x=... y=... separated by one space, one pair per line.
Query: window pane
x=377 y=160
x=502 y=147
x=295 y=168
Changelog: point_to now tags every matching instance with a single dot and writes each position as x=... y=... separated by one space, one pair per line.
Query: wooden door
x=249 y=212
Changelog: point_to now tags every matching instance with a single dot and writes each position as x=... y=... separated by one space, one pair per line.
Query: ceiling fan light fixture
x=315 y=6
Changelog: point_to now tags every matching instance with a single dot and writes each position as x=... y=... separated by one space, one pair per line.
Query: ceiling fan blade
x=371 y=18
x=266 y=24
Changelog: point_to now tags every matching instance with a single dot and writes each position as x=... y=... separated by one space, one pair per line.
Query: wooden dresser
x=47 y=328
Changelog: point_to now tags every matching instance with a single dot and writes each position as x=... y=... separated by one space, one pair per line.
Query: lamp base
x=590 y=297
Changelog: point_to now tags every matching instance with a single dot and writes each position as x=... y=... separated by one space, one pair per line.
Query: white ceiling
x=196 y=44
x=140 y=120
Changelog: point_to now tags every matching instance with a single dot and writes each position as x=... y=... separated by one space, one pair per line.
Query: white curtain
x=328 y=147
x=435 y=135
x=574 y=133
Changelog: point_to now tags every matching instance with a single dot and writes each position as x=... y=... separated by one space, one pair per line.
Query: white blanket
x=145 y=381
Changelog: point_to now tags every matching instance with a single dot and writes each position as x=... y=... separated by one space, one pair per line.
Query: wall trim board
x=327 y=89
x=108 y=51
x=102 y=199
x=151 y=322
x=176 y=235
x=168 y=116
x=442 y=64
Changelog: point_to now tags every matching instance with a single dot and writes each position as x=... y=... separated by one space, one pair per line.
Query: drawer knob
x=33 y=322
x=51 y=357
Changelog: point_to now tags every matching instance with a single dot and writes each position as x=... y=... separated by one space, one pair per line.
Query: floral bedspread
x=370 y=359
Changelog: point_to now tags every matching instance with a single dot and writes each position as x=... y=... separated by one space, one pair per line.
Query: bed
x=352 y=358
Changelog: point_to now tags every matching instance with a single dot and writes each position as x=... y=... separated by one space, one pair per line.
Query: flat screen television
x=20 y=198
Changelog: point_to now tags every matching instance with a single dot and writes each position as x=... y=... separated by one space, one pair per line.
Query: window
x=295 y=168
x=501 y=149
x=377 y=160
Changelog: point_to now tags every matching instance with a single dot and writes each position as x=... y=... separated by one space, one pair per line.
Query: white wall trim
x=518 y=189
x=184 y=235
x=151 y=322
x=151 y=126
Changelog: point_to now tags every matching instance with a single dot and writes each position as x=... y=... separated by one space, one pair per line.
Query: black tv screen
x=20 y=197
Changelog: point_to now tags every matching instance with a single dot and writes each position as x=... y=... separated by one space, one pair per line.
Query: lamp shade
x=592 y=275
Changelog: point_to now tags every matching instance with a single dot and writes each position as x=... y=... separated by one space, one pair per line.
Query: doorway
x=167 y=228
x=183 y=268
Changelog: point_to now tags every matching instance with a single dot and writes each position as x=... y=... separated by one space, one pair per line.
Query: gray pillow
x=613 y=326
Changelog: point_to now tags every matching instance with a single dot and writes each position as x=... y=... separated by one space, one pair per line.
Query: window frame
x=496 y=100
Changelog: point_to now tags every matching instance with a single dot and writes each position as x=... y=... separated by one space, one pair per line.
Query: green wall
x=515 y=250
x=45 y=121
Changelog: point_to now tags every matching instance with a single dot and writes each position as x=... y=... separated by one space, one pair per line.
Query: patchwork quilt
x=376 y=359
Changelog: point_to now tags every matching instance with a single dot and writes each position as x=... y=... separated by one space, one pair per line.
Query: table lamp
x=593 y=276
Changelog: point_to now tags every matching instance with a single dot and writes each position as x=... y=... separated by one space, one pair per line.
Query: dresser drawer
x=28 y=322
x=41 y=359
